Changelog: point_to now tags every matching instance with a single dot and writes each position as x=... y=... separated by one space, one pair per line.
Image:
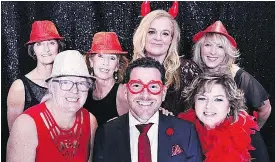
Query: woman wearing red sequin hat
x=107 y=62
x=28 y=90
x=216 y=51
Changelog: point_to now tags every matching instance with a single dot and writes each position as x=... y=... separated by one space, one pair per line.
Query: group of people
x=100 y=106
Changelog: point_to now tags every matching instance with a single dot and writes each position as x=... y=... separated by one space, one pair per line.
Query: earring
x=116 y=77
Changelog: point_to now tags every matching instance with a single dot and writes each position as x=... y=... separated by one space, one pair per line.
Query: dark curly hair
x=145 y=62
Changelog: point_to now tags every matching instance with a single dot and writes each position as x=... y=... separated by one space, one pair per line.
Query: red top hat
x=217 y=27
x=106 y=42
x=43 y=30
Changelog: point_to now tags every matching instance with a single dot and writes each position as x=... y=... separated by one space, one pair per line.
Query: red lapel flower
x=170 y=131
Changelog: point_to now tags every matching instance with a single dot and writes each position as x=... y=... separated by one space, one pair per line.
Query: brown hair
x=123 y=63
x=61 y=47
x=205 y=82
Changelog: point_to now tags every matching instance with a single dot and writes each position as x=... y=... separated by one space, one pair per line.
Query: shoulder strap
x=86 y=119
x=28 y=92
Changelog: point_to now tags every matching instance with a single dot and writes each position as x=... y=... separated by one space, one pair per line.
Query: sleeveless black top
x=105 y=108
x=33 y=92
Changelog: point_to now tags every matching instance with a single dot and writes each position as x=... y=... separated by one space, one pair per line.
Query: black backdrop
x=250 y=23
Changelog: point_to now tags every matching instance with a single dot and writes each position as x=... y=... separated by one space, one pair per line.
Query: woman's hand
x=166 y=112
x=112 y=119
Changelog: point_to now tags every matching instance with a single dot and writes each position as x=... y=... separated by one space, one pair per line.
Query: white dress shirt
x=152 y=135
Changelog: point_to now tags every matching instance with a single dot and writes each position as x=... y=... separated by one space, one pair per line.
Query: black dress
x=105 y=108
x=33 y=92
x=174 y=102
x=255 y=95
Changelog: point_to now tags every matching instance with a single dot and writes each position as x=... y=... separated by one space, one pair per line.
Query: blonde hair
x=231 y=53
x=171 y=62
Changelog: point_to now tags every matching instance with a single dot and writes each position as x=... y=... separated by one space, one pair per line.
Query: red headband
x=173 y=11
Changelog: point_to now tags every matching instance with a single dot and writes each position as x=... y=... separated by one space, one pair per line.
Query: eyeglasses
x=67 y=85
x=136 y=86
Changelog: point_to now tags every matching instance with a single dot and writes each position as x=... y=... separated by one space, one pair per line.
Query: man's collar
x=133 y=121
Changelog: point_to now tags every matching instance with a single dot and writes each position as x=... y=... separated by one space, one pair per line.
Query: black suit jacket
x=112 y=141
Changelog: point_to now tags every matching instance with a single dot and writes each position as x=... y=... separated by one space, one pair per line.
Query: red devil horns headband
x=173 y=11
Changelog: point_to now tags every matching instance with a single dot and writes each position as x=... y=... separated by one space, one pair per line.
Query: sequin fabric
x=250 y=23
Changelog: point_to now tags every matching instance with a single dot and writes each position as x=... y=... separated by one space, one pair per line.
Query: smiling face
x=212 y=107
x=159 y=37
x=71 y=100
x=46 y=51
x=212 y=52
x=144 y=105
x=104 y=65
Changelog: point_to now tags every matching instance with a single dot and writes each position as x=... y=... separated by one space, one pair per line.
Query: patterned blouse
x=174 y=102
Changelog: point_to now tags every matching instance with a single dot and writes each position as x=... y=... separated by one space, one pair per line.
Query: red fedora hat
x=106 y=42
x=43 y=30
x=217 y=27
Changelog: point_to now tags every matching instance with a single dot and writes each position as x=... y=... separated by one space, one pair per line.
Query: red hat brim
x=42 y=39
x=107 y=52
x=200 y=34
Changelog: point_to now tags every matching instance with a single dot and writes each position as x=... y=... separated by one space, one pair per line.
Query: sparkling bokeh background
x=252 y=24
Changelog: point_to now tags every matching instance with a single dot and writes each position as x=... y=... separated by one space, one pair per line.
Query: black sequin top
x=33 y=92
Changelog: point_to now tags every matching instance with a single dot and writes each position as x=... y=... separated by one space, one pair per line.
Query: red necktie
x=144 y=150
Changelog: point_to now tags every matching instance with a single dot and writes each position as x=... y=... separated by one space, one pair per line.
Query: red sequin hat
x=217 y=27
x=106 y=43
x=43 y=30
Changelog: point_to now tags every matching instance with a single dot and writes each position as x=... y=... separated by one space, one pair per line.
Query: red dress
x=57 y=145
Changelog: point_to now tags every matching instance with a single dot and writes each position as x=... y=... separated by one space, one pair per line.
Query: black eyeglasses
x=67 y=85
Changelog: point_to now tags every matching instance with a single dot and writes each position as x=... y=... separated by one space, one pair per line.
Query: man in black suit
x=144 y=132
